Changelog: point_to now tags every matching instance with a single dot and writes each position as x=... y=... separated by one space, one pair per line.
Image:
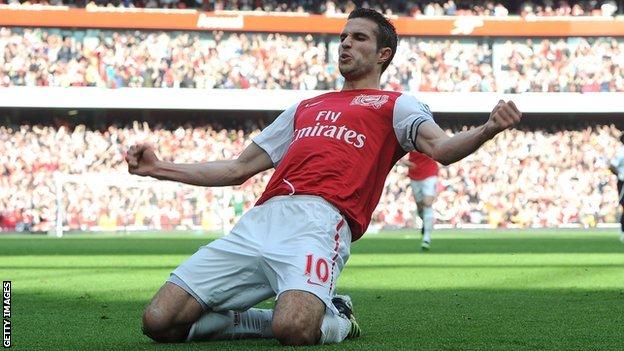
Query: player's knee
x=158 y=327
x=295 y=332
x=153 y=323
x=428 y=201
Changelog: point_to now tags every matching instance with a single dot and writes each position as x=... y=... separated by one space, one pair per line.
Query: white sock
x=419 y=215
x=334 y=328
x=427 y=223
x=230 y=325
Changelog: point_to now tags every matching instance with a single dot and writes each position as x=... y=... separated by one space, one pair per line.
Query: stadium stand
x=41 y=57
x=533 y=190
x=451 y=50
x=392 y=7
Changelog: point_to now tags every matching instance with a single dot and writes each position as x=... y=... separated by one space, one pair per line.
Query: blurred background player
x=423 y=174
x=617 y=167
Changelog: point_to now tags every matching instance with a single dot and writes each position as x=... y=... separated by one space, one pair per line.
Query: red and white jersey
x=423 y=166
x=341 y=146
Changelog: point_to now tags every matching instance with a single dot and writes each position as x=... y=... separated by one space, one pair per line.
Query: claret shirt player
x=340 y=146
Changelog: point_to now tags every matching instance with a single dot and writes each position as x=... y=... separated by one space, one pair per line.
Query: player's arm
x=435 y=143
x=142 y=160
x=266 y=151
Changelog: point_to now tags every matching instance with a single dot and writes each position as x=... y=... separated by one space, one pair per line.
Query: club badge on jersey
x=375 y=101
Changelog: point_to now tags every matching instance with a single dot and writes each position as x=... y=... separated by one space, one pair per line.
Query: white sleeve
x=276 y=138
x=617 y=160
x=409 y=114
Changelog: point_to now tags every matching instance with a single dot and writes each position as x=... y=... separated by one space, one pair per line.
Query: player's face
x=358 y=54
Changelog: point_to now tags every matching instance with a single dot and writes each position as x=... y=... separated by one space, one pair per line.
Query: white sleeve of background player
x=276 y=138
x=615 y=162
x=409 y=114
x=619 y=156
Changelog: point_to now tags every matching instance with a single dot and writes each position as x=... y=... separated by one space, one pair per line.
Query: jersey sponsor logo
x=325 y=128
x=328 y=115
x=375 y=101
x=342 y=132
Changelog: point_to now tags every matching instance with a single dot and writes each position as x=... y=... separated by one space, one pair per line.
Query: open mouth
x=345 y=57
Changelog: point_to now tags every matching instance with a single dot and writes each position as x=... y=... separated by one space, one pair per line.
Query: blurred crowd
x=96 y=188
x=388 y=7
x=576 y=66
x=523 y=178
x=52 y=57
x=37 y=57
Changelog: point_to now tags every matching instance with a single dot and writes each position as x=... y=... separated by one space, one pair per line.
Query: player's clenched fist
x=141 y=159
x=504 y=115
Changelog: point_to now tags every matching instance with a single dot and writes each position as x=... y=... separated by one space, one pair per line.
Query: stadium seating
x=42 y=57
x=533 y=190
x=336 y=7
x=460 y=58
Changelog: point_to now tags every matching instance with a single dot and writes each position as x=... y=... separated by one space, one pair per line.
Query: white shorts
x=424 y=188
x=287 y=243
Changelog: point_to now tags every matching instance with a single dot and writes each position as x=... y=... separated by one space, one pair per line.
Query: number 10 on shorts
x=316 y=269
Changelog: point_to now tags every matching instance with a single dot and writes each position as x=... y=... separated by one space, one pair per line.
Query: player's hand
x=141 y=159
x=504 y=115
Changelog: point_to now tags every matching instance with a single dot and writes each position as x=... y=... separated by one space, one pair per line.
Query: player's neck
x=369 y=82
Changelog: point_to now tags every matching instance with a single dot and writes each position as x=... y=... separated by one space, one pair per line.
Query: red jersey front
x=423 y=166
x=341 y=146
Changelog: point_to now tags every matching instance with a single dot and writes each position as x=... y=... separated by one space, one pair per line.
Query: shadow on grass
x=100 y=246
x=187 y=246
x=391 y=320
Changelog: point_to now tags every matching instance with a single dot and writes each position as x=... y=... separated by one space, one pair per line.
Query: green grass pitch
x=476 y=290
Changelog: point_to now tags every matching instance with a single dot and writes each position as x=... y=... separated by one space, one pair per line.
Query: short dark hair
x=387 y=36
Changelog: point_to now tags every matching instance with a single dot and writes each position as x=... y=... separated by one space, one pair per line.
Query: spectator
x=540 y=168
x=43 y=57
x=342 y=7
